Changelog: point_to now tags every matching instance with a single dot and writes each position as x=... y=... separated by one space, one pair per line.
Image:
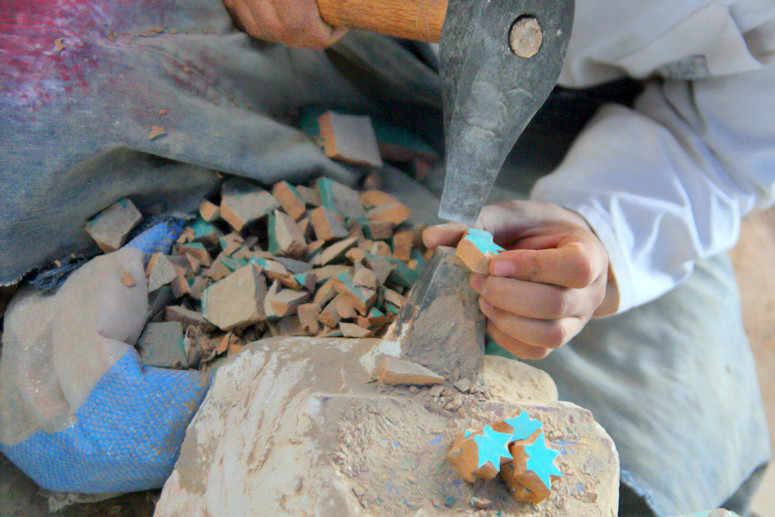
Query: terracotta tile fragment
x=349 y=138
x=290 y=199
x=110 y=228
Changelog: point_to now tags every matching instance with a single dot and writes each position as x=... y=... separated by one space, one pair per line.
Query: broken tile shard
x=290 y=199
x=161 y=345
x=110 y=228
x=349 y=138
x=237 y=300
x=394 y=371
x=243 y=202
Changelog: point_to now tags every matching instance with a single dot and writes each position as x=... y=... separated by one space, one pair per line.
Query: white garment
x=666 y=183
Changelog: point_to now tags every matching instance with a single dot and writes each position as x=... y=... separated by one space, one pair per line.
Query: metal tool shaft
x=499 y=60
x=490 y=91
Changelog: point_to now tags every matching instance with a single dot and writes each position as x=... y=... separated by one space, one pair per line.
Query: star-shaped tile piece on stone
x=492 y=446
x=523 y=426
x=541 y=460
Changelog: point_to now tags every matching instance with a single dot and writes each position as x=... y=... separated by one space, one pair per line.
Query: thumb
x=447 y=234
x=507 y=222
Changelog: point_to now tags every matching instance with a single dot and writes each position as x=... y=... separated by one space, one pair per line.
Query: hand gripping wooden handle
x=410 y=19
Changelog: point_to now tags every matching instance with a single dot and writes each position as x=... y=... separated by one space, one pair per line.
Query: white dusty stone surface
x=296 y=426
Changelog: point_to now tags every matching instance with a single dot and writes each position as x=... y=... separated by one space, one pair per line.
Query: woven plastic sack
x=78 y=410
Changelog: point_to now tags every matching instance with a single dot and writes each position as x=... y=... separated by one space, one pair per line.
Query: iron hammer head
x=499 y=60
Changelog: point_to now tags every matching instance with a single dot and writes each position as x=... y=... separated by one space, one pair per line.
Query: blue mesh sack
x=78 y=410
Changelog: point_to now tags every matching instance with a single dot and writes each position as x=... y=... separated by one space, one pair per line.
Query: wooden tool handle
x=410 y=19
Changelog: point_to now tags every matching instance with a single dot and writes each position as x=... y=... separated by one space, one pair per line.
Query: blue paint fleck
x=578 y=489
x=563 y=446
x=436 y=440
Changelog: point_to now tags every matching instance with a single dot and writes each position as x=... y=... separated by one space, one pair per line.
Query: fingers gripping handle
x=419 y=20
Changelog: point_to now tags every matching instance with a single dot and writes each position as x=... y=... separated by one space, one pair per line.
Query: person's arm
x=294 y=23
x=666 y=183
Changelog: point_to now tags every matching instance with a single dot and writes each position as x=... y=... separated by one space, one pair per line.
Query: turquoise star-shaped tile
x=483 y=241
x=492 y=446
x=523 y=426
x=541 y=460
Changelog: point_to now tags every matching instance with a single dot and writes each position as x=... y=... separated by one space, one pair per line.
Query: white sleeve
x=667 y=182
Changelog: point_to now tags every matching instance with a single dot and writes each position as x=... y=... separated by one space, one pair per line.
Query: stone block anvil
x=294 y=426
x=498 y=61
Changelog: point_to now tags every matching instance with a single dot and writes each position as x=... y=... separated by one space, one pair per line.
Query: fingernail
x=484 y=304
x=503 y=268
x=476 y=282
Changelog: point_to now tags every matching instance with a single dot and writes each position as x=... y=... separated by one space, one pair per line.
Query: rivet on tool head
x=525 y=36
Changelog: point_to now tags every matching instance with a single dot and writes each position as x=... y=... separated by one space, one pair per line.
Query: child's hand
x=552 y=278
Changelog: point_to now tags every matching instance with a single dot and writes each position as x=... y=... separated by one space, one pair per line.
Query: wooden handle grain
x=410 y=19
